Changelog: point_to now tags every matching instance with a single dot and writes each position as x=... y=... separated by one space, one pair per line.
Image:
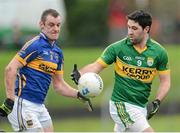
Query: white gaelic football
x=90 y=85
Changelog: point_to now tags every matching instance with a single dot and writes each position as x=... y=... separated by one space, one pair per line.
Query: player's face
x=51 y=27
x=135 y=32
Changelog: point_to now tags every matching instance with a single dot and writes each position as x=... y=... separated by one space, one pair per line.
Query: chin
x=133 y=41
x=53 y=38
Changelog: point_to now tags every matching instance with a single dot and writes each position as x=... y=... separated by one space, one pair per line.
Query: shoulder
x=33 y=43
x=159 y=50
x=157 y=46
x=118 y=45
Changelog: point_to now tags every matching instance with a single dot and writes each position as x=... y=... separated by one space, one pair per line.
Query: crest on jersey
x=150 y=61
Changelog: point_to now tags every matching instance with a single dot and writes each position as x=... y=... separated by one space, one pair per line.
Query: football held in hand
x=90 y=85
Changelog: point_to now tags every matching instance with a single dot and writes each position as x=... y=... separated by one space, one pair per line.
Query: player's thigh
x=128 y=117
x=48 y=129
x=45 y=120
x=24 y=116
x=140 y=124
x=120 y=117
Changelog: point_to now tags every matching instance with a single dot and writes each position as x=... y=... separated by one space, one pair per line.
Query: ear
x=41 y=25
x=147 y=29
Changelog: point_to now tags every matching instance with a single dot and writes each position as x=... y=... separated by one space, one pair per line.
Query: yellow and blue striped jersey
x=41 y=60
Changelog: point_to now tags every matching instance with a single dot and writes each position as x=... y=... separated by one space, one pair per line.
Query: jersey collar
x=43 y=36
x=46 y=38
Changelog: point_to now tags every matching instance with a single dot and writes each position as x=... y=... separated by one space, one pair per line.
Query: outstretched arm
x=61 y=87
x=65 y=89
x=95 y=67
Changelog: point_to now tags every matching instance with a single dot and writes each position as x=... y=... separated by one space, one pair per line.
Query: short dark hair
x=143 y=18
x=47 y=12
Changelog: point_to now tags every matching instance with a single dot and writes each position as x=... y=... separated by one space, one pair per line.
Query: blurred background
x=88 y=26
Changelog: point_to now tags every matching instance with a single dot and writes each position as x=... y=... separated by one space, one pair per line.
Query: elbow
x=60 y=90
x=57 y=89
x=169 y=85
x=9 y=70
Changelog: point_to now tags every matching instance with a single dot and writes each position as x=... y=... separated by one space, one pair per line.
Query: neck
x=51 y=42
x=142 y=44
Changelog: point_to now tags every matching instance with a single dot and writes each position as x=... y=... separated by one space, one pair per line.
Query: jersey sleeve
x=108 y=56
x=60 y=67
x=27 y=53
x=163 y=65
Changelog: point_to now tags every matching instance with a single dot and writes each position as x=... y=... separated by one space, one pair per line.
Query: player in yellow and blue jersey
x=28 y=77
x=41 y=60
x=137 y=59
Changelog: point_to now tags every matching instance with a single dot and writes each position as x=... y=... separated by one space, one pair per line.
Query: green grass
x=94 y=124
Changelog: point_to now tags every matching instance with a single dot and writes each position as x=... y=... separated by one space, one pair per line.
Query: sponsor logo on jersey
x=47 y=68
x=43 y=66
x=128 y=58
x=135 y=72
x=139 y=58
x=150 y=61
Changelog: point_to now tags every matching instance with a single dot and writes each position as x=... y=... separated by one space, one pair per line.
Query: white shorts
x=28 y=116
x=128 y=117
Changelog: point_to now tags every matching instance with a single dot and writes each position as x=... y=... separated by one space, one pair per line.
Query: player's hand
x=87 y=101
x=6 y=107
x=75 y=75
x=152 y=108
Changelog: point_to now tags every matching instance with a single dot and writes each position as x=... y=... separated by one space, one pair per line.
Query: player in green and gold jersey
x=137 y=59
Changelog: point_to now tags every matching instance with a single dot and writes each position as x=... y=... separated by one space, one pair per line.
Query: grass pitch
x=159 y=123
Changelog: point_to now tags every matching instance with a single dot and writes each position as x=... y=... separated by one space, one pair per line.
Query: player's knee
x=38 y=129
x=149 y=129
x=118 y=128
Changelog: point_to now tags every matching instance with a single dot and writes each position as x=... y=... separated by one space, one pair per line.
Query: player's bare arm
x=95 y=67
x=61 y=87
x=10 y=77
x=164 y=86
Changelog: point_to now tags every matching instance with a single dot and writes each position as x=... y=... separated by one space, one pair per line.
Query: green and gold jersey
x=134 y=69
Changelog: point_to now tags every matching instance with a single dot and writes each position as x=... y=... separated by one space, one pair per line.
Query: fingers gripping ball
x=90 y=85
